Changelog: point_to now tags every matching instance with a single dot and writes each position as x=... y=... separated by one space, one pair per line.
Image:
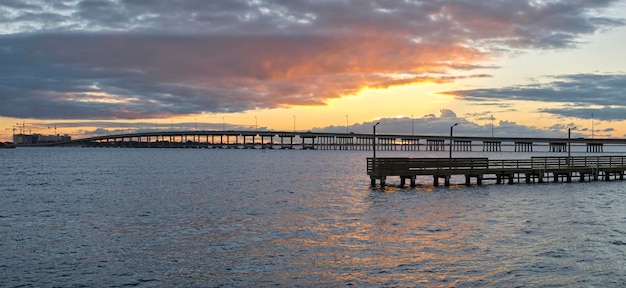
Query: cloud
x=440 y=126
x=581 y=94
x=446 y=113
x=430 y=125
x=135 y=59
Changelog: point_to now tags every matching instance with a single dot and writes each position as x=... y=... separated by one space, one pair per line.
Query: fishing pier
x=535 y=169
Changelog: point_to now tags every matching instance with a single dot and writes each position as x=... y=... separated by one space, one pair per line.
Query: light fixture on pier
x=374 y=140
x=451 y=127
x=569 y=144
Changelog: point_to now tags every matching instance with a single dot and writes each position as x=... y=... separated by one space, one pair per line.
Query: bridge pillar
x=410 y=144
x=246 y=144
x=435 y=144
x=282 y=138
x=308 y=145
x=523 y=146
x=595 y=147
x=462 y=145
x=492 y=146
x=345 y=142
x=558 y=146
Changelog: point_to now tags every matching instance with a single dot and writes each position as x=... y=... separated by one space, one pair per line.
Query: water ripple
x=223 y=218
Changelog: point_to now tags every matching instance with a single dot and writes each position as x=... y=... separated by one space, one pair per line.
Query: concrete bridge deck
x=332 y=141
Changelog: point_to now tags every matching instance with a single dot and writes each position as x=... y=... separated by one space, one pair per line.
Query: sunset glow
x=534 y=66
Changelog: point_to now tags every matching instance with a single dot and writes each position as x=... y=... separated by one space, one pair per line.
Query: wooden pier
x=535 y=169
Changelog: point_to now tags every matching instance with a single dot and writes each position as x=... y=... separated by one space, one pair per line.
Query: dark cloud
x=604 y=113
x=101 y=59
x=578 y=92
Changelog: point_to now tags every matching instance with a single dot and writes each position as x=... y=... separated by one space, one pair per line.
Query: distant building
x=31 y=139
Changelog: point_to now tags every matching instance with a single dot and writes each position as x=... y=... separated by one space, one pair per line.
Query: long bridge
x=332 y=141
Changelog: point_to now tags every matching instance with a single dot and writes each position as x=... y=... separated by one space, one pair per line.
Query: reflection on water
x=141 y=217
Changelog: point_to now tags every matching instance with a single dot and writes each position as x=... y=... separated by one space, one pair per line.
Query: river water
x=98 y=217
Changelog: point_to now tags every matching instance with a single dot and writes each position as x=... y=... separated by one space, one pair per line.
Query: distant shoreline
x=6 y=145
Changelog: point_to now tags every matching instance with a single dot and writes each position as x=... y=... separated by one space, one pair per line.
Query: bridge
x=331 y=141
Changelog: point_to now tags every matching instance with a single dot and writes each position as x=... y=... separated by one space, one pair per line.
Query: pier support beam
x=381 y=179
x=446 y=180
x=411 y=180
x=468 y=179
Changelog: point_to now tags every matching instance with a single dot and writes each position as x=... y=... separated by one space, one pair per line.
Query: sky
x=504 y=67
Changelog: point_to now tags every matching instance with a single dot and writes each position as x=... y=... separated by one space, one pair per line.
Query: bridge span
x=334 y=141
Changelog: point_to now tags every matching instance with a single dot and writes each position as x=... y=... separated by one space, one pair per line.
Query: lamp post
x=592 y=126
x=451 y=139
x=569 y=143
x=374 y=141
x=256 y=124
x=294 y=123
x=347 y=131
x=491 y=125
x=412 y=125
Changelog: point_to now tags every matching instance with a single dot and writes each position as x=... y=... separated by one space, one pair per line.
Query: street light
x=451 y=139
x=569 y=143
x=491 y=125
x=592 y=128
x=347 y=131
x=374 y=140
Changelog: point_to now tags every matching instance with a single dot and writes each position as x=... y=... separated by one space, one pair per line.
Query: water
x=72 y=217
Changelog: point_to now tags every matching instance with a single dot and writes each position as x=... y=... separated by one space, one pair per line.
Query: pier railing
x=423 y=166
x=404 y=164
x=537 y=167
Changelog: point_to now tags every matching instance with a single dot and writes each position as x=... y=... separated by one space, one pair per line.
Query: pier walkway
x=540 y=169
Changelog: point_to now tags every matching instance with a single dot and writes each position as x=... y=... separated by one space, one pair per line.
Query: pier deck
x=540 y=169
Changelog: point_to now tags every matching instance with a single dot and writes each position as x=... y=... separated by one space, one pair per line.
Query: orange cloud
x=225 y=56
